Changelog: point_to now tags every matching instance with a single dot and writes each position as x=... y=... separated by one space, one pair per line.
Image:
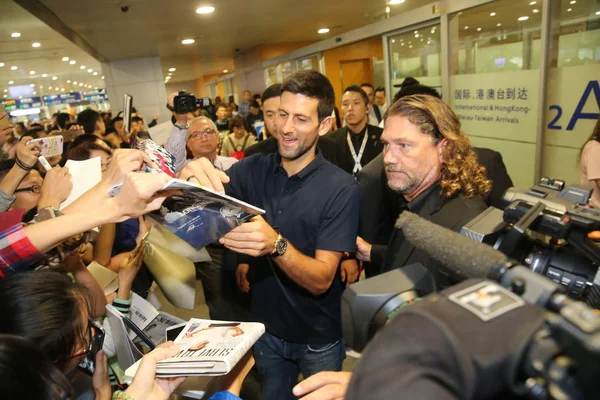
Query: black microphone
x=468 y=259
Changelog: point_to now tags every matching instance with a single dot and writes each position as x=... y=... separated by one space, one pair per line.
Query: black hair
x=238 y=121
x=55 y=114
x=271 y=91
x=34 y=132
x=256 y=96
x=315 y=85
x=88 y=119
x=409 y=81
x=116 y=119
x=45 y=307
x=62 y=120
x=27 y=373
x=380 y=89
x=136 y=119
x=82 y=151
x=416 y=89
x=36 y=126
x=221 y=105
x=69 y=125
x=21 y=124
x=255 y=104
x=358 y=89
x=367 y=85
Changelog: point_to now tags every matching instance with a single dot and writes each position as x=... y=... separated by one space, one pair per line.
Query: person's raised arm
x=27 y=155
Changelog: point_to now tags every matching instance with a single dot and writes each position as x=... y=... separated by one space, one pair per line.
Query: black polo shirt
x=315 y=209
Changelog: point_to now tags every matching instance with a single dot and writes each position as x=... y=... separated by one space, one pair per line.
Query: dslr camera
x=185 y=103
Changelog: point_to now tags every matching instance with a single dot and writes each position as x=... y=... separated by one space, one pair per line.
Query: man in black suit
x=424 y=151
x=358 y=142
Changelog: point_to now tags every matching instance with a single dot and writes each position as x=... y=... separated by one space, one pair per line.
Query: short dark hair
x=82 y=151
x=272 y=91
x=221 y=105
x=117 y=119
x=45 y=307
x=137 y=119
x=62 y=120
x=380 y=89
x=34 y=132
x=367 y=85
x=357 y=89
x=416 y=89
x=88 y=119
x=238 y=121
x=256 y=96
x=88 y=138
x=27 y=372
x=255 y=104
x=315 y=85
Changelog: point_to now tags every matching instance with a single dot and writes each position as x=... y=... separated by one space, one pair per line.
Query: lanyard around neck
x=357 y=158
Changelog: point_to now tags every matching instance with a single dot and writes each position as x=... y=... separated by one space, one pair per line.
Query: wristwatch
x=280 y=246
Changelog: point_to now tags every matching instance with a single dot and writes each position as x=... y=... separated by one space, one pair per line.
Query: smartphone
x=50 y=146
x=205 y=101
x=88 y=364
x=127 y=111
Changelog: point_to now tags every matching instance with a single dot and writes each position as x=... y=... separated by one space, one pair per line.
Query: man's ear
x=325 y=126
x=441 y=146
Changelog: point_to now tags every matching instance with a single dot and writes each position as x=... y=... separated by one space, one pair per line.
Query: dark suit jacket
x=380 y=206
x=451 y=213
x=342 y=155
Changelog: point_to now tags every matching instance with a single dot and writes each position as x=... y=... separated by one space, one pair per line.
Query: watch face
x=281 y=246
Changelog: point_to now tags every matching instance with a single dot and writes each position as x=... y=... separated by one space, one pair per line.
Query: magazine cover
x=201 y=216
x=210 y=347
x=161 y=157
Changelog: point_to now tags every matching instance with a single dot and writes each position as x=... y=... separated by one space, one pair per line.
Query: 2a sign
x=592 y=89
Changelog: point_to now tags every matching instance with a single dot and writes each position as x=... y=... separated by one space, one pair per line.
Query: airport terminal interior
x=94 y=94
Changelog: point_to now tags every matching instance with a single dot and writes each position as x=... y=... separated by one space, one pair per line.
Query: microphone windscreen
x=460 y=255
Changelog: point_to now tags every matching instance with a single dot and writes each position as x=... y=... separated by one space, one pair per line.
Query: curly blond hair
x=461 y=172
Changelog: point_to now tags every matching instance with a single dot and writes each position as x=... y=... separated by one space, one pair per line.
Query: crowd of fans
x=332 y=188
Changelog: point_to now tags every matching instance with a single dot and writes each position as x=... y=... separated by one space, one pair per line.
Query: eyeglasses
x=208 y=132
x=34 y=189
x=95 y=335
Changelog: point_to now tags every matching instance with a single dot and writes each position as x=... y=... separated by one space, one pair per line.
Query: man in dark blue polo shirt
x=311 y=220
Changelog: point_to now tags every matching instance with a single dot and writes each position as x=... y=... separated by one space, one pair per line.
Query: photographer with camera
x=429 y=161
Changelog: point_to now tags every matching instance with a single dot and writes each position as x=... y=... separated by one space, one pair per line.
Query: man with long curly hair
x=429 y=161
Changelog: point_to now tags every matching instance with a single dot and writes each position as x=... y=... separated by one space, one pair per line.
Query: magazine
x=199 y=215
x=207 y=347
x=152 y=322
x=165 y=161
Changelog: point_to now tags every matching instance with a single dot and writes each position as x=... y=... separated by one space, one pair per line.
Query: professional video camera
x=185 y=103
x=510 y=329
x=546 y=228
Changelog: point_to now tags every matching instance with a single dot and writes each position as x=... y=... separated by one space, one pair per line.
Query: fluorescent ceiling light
x=225 y=71
x=15 y=34
x=82 y=67
x=27 y=111
x=44 y=75
x=13 y=68
x=393 y=2
x=72 y=62
x=205 y=10
x=32 y=85
x=65 y=58
x=188 y=41
x=172 y=69
x=36 y=44
x=323 y=30
x=523 y=18
x=535 y=11
x=11 y=82
x=95 y=73
x=492 y=14
x=31 y=72
x=90 y=71
x=54 y=78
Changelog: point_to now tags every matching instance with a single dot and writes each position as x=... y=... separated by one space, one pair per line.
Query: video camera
x=185 y=103
x=546 y=228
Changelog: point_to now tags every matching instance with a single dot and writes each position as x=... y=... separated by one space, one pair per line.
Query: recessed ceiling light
x=65 y=58
x=54 y=78
x=466 y=26
x=416 y=32
x=535 y=11
x=569 y=9
x=95 y=73
x=82 y=67
x=532 y=3
x=11 y=82
x=72 y=62
x=416 y=35
x=44 y=75
x=401 y=44
x=393 y=40
x=597 y=12
x=90 y=71
x=5 y=90
x=388 y=10
x=478 y=29
x=492 y=14
x=205 y=10
x=49 y=87
x=498 y=24
x=81 y=84
x=323 y=30
x=523 y=18
x=573 y=2
x=15 y=34
x=170 y=73
x=1 y=65
x=410 y=47
x=102 y=78
x=41 y=86
x=34 y=92
x=225 y=71
x=36 y=44
x=32 y=85
x=392 y=2
x=68 y=81
x=172 y=69
x=14 y=68
x=31 y=72
x=75 y=83
x=62 y=89
x=188 y=41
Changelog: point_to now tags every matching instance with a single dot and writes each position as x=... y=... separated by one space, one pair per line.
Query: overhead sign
x=23 y=104
x=63 y=98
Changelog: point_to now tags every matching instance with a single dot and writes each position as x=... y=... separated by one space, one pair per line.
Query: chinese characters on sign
x=491 y=94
